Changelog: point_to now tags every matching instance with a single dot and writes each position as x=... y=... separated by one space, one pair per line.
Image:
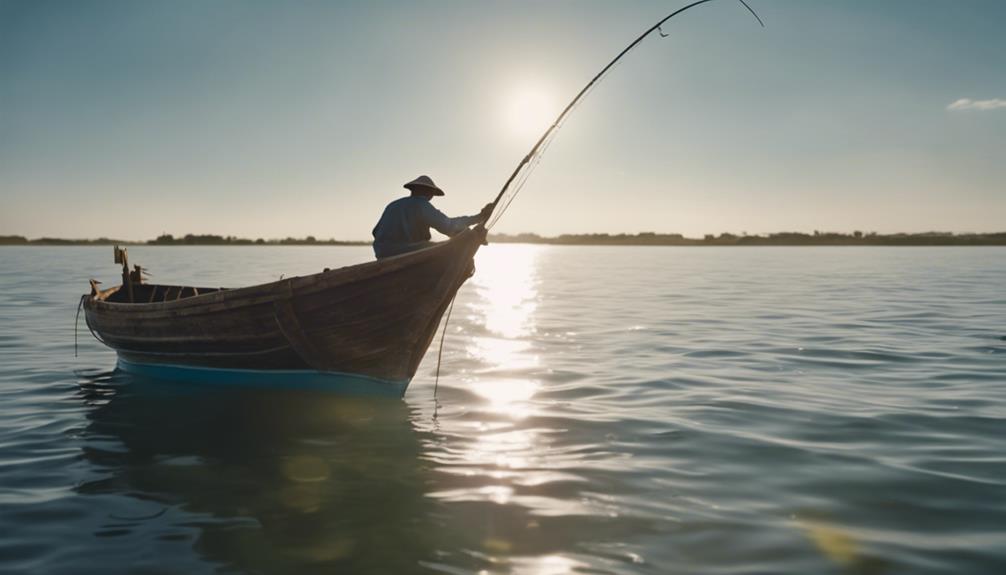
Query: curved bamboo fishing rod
x=569 y=107
x=544 y=137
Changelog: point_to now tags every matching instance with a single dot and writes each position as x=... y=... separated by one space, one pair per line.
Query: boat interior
x=151 y=293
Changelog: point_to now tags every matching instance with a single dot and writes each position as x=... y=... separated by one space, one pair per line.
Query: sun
x=528 y=111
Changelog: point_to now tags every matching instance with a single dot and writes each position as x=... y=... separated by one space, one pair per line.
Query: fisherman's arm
x=447 y=225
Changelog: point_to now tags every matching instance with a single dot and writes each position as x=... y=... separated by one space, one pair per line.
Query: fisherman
x=405 y=224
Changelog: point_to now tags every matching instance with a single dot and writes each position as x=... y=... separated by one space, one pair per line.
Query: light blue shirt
x=406 y=222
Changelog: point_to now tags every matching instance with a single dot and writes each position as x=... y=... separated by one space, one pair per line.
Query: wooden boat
x=358 y=329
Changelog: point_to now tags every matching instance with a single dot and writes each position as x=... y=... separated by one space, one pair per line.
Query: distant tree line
x=23 y=241
x=214 y=240
x=186 y=240
x=818 y=238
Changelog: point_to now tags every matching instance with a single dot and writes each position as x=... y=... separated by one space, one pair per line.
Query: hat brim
x=423 y=187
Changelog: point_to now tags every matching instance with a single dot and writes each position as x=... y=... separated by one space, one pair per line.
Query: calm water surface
x=600 y=410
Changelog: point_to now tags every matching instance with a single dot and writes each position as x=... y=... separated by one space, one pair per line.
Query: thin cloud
x=969 y=104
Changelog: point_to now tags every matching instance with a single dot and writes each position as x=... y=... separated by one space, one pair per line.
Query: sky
x=130 y=119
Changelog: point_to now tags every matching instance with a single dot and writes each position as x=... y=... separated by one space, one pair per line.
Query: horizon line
x=857 y=236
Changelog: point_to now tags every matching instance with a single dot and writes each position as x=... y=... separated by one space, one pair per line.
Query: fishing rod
x=544 y=137
x=569 y=107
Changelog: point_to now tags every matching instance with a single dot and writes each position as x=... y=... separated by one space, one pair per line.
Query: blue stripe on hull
x=336 y=382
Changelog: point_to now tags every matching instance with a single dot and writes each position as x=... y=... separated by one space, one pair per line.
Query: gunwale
x=265 y=292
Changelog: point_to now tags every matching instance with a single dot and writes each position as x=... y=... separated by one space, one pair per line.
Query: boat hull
x=371 y=322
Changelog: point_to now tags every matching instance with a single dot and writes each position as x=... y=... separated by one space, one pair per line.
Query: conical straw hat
x=424 y=182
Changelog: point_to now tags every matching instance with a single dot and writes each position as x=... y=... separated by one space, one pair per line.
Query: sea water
x=599 y=410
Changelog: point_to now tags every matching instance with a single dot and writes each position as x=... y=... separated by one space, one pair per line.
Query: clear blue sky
x=272 y=119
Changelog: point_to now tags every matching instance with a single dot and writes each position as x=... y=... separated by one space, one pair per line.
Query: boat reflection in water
x=260 y=481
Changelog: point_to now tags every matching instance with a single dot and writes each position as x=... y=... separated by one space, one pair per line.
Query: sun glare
x=528 y=111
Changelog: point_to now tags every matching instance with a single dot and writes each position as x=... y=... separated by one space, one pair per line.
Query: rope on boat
x=94 y=335
x=76 y=321
x=530 y=161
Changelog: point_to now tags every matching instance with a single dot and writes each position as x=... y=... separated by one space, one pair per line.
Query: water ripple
x=600 y=410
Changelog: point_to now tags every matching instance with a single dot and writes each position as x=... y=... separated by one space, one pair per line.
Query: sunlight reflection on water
x=507 y=297
x=498 y=445
x=507 y=285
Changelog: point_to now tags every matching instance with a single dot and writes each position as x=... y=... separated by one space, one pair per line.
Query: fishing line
x=538 y=147
x=529 y=169
x=526 y=174
x=440 y=354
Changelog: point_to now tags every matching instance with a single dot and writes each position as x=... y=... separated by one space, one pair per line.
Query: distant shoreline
x=641 y=239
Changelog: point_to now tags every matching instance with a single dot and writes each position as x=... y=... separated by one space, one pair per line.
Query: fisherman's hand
x=486 y=212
